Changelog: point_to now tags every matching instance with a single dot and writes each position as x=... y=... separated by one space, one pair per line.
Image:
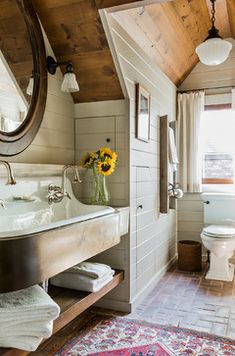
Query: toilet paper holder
x=175 y=191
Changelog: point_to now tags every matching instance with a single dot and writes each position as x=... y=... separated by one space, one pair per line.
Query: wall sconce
x=69 y=84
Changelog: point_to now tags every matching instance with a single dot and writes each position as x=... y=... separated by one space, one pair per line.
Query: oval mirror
x=23 y=76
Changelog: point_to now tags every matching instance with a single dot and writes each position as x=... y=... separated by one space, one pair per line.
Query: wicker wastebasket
x=189 y=256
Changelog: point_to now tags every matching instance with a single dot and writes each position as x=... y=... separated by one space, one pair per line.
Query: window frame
x=207 y=181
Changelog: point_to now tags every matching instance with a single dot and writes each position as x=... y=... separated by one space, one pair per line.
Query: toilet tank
x=218 y=207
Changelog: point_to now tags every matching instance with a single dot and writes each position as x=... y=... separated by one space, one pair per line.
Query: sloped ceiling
x=170 y=32
x=75 y=33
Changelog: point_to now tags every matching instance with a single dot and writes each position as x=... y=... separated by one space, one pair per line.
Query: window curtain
x=190 y=108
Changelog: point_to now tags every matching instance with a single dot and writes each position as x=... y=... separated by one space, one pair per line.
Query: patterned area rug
x=116 y=336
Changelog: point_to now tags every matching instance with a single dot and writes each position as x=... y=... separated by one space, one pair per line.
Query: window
x=218 y=144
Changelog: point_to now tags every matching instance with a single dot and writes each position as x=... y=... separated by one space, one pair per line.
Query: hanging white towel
x=27 y=343
x=173 y=158
x=90 y=269
x=81 y=283
x=27 y=305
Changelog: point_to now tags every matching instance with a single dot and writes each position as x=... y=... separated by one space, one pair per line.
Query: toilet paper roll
x=178 y=193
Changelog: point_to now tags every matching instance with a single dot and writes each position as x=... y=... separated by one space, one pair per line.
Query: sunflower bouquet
x=103 y=163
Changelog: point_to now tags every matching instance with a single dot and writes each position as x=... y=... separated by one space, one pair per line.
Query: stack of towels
x=26 y=318
x=86 y=276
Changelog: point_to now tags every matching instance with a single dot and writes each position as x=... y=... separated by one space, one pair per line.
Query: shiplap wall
x=190 y=208
x=95 y=124
x=54 y=142
x=152 y=236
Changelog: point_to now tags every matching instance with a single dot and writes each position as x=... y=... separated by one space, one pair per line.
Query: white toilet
x=218 y=235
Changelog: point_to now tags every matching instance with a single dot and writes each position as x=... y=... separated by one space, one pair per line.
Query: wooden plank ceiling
x=75 y=32
x=170 y=32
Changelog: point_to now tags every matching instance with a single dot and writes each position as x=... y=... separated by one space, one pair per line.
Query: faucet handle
x=53 y=188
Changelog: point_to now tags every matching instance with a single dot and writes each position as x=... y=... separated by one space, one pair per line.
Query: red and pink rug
x=123 y=337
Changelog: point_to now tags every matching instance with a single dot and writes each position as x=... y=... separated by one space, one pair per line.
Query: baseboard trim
x=114 y=305
x=152 y=284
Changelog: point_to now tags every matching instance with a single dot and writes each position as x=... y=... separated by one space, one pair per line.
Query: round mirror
x=23 y=76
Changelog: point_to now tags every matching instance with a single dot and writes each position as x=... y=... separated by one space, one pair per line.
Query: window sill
x=227 y=188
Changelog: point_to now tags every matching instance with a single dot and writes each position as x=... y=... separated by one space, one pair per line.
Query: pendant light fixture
x=69 y=84
x=214 y=50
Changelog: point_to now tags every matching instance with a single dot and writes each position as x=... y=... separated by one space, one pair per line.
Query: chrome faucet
x=76 y=176
x=57 y=193
x=10 y=180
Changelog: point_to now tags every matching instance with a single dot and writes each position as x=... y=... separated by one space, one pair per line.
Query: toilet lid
x=219 y=231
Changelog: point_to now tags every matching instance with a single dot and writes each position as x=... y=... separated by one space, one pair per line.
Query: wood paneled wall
x=152 y=235
x=95 y=124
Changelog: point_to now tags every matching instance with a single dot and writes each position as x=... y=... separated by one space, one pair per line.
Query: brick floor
x=188 y=300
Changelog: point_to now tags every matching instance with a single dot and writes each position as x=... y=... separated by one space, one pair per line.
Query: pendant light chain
x=213 y=13
x=214 y=50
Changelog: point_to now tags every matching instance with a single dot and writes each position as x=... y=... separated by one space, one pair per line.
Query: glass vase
x=100 y=195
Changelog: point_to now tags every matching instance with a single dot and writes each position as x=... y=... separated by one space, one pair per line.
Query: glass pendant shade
x=213 y=51
x=70 y=83
x=29 y=89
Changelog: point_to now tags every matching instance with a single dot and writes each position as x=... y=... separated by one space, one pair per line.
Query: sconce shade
x=29 y=89
x=70 y=84
x=213 y=51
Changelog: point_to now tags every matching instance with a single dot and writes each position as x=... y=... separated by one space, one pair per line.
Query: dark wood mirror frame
x=12 y=143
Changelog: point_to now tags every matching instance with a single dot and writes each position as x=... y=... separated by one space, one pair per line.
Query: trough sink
x=38 y=241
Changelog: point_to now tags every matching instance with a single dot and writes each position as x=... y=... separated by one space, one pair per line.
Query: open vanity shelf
x=72 y=304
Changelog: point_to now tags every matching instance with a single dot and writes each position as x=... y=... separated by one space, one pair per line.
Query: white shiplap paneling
x=95 y=123
x=153 y=236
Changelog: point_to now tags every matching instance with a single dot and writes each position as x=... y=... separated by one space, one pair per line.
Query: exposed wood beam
x=119 y=5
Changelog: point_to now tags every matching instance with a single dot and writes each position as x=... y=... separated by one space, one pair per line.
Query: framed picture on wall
x=142 y=113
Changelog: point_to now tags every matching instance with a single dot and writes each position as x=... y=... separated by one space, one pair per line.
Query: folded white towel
x=27 y=343
x=79 y=282
x=173 y=158
x=27 y=305
x=38 y=329
x=90 y=269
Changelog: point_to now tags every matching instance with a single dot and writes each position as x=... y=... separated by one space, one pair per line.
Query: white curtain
x=190 y=108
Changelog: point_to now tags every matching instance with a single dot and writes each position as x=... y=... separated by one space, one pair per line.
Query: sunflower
x=88 y=160
x=106 y=152
x=106 y=167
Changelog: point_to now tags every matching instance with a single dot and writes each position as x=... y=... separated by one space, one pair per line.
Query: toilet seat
x=217 y=231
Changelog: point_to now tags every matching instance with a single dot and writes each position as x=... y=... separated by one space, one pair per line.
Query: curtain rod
x=201 y=89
